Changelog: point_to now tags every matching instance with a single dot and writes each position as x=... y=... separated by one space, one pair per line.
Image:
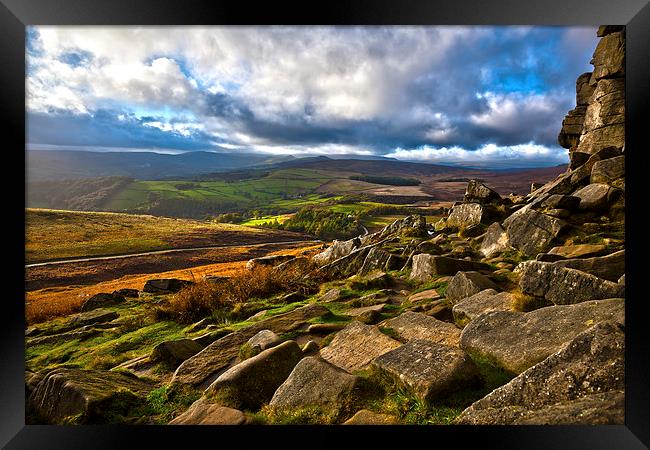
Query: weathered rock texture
x=580 y=384
x=466 y=284
x=413 y=325
x=516 y=341
x=204 y=413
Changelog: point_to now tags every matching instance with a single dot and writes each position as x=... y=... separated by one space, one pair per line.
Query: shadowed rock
x=516 y=341
x=337 y=250
x=483 y=302
x=608 y=170
x=532 y=232
x=165 y=285
x=609 y=267
x=425 y=266
x=466 y=284
x=102 y=300
x=175 y=352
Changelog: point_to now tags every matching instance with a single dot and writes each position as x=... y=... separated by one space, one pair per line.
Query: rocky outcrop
x=337 y=250
x=516 y=341
x=268 y=261
x=478 y=192
x=532 y=232
x=425 y=266
x=430 y=370
x=165 y=285
x=495 y=241
x=580 y=384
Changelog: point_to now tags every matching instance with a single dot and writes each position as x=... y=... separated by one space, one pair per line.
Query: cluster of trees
x=322 y=223
x=391 y=181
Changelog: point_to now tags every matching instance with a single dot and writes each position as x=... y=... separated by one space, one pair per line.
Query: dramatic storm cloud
x=433 y=94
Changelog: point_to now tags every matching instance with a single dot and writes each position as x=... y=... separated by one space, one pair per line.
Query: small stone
x=204 y=413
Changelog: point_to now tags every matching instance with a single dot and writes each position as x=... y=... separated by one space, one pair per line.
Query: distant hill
x=72 y=164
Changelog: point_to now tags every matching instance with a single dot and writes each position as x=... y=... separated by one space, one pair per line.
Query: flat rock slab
x=483 y=302
x=251 y=383
x=577 y=251
x=532 y=232
x=609 y=267
x=90 y=394
x=366 y=417
x=325 y=328
x=563 y=286
x=268 y=261
x=466 y=284
x=425 y=266
x=354 y=347
x=429 y=294
x=568 y=387
x=92 y=317
x=204 y=413
x=364 y=309
x=202 y=368
x=102 y=300
x=333 y=295
x=608 y=170
x=595 y=196
x=414 y=325
x=317 y=383
x=517 y=341
x=430 y=370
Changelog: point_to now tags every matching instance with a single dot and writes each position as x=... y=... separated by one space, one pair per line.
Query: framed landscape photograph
x=364 y=218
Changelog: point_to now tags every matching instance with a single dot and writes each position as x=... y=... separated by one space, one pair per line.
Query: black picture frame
x=15 y=15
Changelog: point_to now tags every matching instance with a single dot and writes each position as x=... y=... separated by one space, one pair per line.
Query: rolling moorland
x=499 y=309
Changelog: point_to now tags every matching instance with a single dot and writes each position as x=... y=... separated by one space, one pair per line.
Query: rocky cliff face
x=598 y=120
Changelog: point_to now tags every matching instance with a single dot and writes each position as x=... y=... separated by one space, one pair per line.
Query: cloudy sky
x=433 y=94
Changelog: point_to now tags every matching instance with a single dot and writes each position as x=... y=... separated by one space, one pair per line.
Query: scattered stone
x=263 y=340
x=317 y=383
x=576 y=385
x=609 y=267
x=165 y=285
x=413 y=325
x=310 y=347
x=563 y=286
x=251 y=383
x=483 y=302
x=354 y=347
x=466 y=284
x=425 y=266
x=532 y=232
x=337 y=250
x=429 y=294
x=516 y=341
x=102 y=300
x=325 y=328
x=267 y=261
x=92 y=317
x=202 y=368
x=88 y=396
x=204 y=413
x=608 y=170
x=128 y=293
x=366 y=417
x=495 y=241
x=577 y=251
x=173 y=353
x=430 y=370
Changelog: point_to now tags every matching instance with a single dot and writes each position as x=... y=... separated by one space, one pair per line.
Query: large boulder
x=412 y=325
x=354 y=347
x=480 y=303
x=86 y=396
x=173 y=353
x=581 y=175
x=317 y=383
x=563 y=286
x=375 y=259
x=610 y=267
x=337 y=250
x=495 y=241
x=425 y=266
x=608 y=170
x=102 y=300
x=203 y=368
x=432 y=371
x=204 y=413
x=252 y=382
x=516 y=341
x=595 y=197
x=478 y=192
x=466 y=215
x=604 y=123
x=410 y=226
x=165 y=285
x=532 y=232
x=263 y=340
x=348 y=264
x=580 y=384
x=466 y=284
x=92 y=317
